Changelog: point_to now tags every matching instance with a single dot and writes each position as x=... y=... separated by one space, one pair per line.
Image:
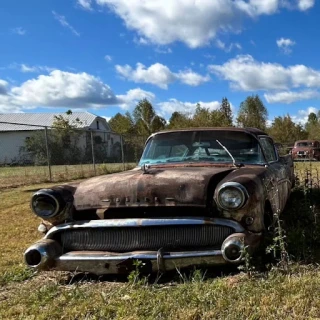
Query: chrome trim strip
x=107 y=223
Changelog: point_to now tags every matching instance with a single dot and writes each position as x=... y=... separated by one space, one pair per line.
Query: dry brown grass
x=18 y=227
x=19 y=176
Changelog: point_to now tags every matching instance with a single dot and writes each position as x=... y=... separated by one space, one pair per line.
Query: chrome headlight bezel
x=232 y=185
x=52 y=197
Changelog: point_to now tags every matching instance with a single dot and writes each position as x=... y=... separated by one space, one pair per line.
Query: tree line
x=135 y=127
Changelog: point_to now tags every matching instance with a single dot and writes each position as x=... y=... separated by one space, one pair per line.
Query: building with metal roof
x=16 y=128
x=36 y=121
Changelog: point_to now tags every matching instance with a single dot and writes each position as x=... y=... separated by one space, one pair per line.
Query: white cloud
x=85 y=4
x=195 y=23
x=291 y=96
x=66 y=89
x=35 y=69
x=6 y=103
x=160 y=75
x=163 y=50
x=107 y=118
x=108 y=58
x=247 y=74
x=285 y=45
x=256 y=8
x=7 y=106
x=61 y=88
x=168 y=107
x=20 y=31
x=227 y=48
x=306 y=4
x=3 y=87
x=302 y=116
x=62 y=20
x=156 y=74
x=191 y=78
x=133 y=96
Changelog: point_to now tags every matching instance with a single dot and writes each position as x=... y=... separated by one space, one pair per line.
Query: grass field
x=18 y=176
x=276 y=294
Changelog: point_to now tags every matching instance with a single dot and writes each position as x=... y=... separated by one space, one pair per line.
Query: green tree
x=146 y=119
x=252 y=113
x=313 y=126
x=226 y=112
x=179 y=120
x=283 y=130
x=63 y=142
x=136 y=128
x=122 y=124
x=204 y=117
x=125 y=126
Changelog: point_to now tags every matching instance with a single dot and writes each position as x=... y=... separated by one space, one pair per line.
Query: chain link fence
x=33 y=154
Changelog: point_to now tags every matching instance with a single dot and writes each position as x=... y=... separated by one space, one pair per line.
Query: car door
x=277 y=173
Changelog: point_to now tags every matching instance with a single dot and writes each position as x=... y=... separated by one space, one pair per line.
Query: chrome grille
x=124 y=239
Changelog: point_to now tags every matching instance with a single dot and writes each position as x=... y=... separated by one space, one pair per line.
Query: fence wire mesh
x=33 y=154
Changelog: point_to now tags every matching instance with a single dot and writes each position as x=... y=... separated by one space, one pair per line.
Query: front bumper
x=48 y=254
x=110 y=263
x=304 y=157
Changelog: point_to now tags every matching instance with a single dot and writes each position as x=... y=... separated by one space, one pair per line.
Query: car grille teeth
x=144 y=238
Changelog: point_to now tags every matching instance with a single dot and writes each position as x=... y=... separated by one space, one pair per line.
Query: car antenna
x=229 y=153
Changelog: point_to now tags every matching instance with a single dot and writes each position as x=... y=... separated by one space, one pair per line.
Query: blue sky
x=105 y=55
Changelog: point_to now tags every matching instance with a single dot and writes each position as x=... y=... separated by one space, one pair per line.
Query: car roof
x=309 y=140
x=253 y=131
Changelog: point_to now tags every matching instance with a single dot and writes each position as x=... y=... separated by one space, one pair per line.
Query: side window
x=268 y=149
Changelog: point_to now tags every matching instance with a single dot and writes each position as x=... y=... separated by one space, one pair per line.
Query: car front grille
x=125 y=239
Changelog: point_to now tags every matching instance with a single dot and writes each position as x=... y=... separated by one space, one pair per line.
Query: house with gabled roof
x=16 y=128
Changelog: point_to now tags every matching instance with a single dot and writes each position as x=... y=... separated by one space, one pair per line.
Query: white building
x=16 y=128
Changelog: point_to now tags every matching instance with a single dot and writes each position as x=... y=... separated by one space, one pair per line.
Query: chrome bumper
x=109 y=263
x=47 y=254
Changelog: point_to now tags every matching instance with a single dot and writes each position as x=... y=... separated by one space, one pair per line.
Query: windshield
x=199 y=146
x=305 y=144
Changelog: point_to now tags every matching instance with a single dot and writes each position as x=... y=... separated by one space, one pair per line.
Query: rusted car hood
x=159 y=187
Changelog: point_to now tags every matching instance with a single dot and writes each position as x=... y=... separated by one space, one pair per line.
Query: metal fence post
x=48 y=152
x=93 y=158
x=122 y=153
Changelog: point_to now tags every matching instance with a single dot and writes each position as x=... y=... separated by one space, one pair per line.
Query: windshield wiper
x=231 y=156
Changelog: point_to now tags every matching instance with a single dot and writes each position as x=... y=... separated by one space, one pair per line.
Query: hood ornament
x=145 y=168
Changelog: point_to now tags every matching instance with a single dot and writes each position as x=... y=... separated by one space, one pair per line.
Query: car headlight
x=232 y=196
x=46 y=203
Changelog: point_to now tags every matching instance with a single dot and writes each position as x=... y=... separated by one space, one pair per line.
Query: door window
x=268 y=149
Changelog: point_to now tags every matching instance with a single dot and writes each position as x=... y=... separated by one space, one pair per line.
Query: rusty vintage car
x=197 y=197
x=306 y=150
